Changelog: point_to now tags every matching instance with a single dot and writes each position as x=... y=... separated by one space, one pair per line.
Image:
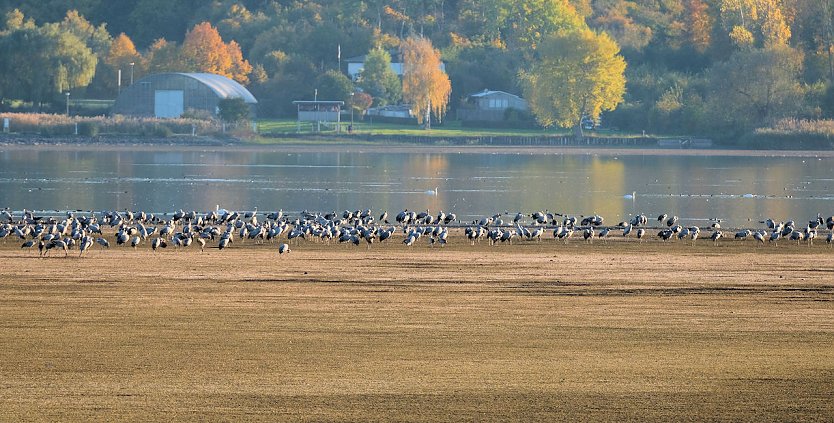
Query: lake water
x=738 y=190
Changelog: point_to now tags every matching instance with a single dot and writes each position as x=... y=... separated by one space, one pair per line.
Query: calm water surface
x=734 y=189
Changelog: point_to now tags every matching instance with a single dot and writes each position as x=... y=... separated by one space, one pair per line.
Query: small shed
x=489 y=105
x=169 y=95
x=320 y=112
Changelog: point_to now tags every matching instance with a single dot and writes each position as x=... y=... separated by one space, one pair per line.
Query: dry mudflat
x=531 y=331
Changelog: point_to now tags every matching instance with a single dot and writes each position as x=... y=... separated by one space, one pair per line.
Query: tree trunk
x=428 y=116
x=577 y=131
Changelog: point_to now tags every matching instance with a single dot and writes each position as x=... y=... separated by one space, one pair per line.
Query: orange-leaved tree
x=122 y=54
x=203 y=50
x=425 y=85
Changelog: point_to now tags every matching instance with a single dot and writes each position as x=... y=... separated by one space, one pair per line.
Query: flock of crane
x=221 y=228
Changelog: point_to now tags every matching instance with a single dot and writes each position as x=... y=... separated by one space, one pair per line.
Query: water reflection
x=735 y=189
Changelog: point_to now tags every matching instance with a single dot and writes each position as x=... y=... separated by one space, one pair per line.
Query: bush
x=233 y=110
x=55 y=130
x=162 y=131
x=88 y=129
x=197 y=114
x=60 y=125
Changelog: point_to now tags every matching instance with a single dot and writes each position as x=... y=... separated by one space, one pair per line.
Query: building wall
x=138 y=99
x=501 y=101
x=492 y=107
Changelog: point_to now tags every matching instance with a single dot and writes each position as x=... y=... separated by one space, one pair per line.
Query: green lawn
x=449 y=129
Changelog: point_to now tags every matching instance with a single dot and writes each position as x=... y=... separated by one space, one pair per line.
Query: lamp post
x=67 y=94
x=351 y=111
x=131 y=72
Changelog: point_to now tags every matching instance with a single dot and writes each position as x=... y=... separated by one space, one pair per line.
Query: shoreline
x=21 y=143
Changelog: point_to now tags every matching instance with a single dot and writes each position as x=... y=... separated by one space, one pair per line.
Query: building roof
x=326 y=102
x=393 y=52
x=486 y=93
x=222 y=86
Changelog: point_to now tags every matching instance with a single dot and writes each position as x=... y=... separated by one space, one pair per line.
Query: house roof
x=486 y=93
x=394 y=53
x=222 y=86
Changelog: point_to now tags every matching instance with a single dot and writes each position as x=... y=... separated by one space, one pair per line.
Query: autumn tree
x=203 y=50
x=756 y=23
x=615 y=18
x=698 y=24
x=122 y=52
x=119 y=56
x=426 y=87
x=379 y=80
x=578 y=73
x=361 y=102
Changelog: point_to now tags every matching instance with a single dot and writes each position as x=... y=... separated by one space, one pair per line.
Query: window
x=498 y=103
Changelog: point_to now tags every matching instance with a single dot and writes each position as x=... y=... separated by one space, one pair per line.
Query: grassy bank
x=793 y=134
x=274 y=131
x=447 y=129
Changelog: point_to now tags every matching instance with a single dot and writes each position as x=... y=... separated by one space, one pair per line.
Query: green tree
x=532 y=20
x=757 y=87
x=42 y=62
x=95 y=37
x=334 y=85
x=578 y=73
x=233 y=110
x=379 y=80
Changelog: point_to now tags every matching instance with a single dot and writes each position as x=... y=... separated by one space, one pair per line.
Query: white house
x=355 y=65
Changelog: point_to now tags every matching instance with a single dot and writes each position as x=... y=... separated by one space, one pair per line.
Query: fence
x=491 y=140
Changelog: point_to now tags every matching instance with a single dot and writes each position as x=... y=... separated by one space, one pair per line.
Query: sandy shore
x=534 y=331
x=329 y=146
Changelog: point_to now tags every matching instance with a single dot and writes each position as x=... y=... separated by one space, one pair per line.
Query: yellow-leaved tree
x=203 y=50
x=123 y=55
x=426 y=87
x=756 y=23
x=578 y=73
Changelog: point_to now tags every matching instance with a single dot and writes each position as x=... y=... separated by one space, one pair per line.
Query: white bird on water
x=631 y=196
x=431 y=191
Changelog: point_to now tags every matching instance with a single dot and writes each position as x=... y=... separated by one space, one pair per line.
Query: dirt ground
x=531 y=331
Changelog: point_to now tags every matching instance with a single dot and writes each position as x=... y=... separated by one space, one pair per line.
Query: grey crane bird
x=284 y=249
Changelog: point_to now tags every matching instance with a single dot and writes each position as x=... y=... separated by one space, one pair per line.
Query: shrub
x=88 y=129
x=162 y=131
x=233 y=110
x=197 y=114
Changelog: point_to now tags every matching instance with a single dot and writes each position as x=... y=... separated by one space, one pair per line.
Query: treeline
x=712 y=67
